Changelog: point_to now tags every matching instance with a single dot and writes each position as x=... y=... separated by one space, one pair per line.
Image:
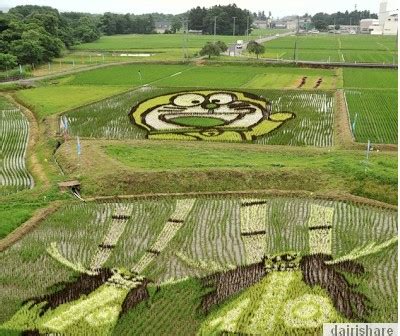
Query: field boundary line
x=29 y=225
x=346 y=106
x=263 y=192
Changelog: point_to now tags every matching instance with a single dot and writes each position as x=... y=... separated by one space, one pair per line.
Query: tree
x=86 y=31
x=321 y=25
x=176 y=24
x=254 y=47
x=222 y=46
x=210 y=49
x=27 y=51
x=7 y=61
x=204 y=19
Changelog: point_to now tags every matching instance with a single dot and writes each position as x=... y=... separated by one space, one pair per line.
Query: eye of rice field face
x=187 y=100
x=221 y=98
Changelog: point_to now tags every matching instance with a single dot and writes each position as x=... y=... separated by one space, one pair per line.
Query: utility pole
x=247 y=30
x=215 y=28
x=298 y=25
x=234 y=23
x=185 y=25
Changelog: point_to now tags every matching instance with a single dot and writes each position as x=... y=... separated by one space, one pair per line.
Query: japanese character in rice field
x=208 y=115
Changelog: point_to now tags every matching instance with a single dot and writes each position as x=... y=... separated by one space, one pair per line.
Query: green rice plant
x=373 y=115
x=334 y=48
x=14 y=137
x=192 y=238
x=312 y=125
x=378 y=79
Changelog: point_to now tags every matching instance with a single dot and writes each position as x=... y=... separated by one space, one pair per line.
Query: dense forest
x=35 y=34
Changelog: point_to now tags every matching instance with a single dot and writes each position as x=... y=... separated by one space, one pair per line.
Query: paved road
x=233 y=51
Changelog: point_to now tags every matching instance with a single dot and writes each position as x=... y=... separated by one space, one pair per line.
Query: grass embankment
x=145 y=167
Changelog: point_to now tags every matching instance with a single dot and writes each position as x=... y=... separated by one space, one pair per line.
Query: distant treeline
x=34 y=34
x=228 y=19
x=321 y=21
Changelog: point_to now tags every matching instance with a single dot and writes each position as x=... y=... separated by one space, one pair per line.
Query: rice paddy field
x=312 y=124
x=208 y=198
x=71 y=91
x=372 y=102
x=185 y=248
x=334 y=48
x=164 y=41
x=14 y=135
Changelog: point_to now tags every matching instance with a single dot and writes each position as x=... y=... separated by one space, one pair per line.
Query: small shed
x=74 y=185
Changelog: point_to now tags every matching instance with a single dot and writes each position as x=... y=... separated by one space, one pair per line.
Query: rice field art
x=208 y=115
x=273 y=117
x=14 y=136
x=209 y=265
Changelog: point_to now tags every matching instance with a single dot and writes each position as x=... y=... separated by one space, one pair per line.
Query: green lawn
x=334 y=48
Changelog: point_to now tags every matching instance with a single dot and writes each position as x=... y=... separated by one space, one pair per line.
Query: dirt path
x=33 y=162
x=29 y=225
x=343 y=137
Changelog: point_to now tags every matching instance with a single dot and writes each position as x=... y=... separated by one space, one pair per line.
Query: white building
x=390 y=26
x=365 y=25
x=385 y=25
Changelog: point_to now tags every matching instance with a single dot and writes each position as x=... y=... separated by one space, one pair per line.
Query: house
x=365 y=25
x=162 y=26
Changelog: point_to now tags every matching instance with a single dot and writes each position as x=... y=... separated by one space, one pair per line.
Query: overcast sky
x=278 y=8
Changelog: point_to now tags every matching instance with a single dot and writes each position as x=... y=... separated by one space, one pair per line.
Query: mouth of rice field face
x=190 y=121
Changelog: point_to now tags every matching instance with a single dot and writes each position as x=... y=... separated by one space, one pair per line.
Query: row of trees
x=34 y=34
x=111 y=24
x=215 y=49
x=229 y=19
x=321 y=21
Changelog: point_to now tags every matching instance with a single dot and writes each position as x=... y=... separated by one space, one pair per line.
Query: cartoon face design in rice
x=207 y=115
